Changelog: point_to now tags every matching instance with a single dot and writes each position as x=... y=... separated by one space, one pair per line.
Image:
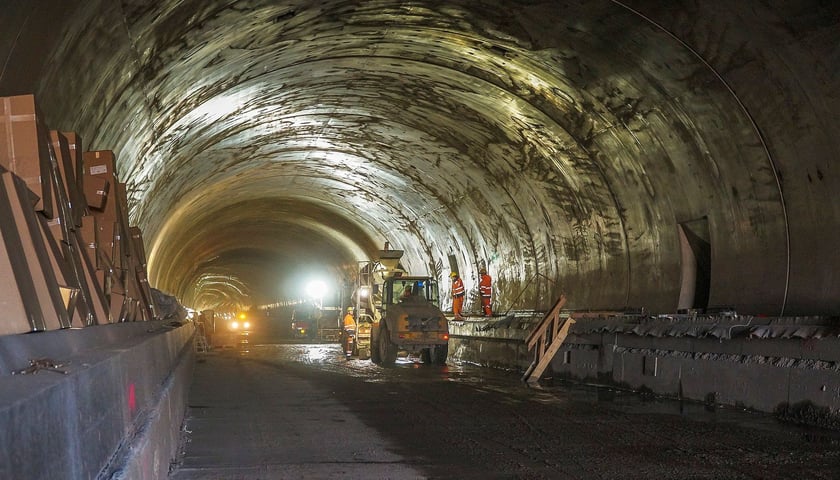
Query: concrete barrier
x=117 y=411
x=498 y=343
x=789 y=366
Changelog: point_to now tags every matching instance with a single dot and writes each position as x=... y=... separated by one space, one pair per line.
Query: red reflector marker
x=132 y=399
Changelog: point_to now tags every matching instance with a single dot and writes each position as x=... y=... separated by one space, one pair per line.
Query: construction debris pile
x=68 y=256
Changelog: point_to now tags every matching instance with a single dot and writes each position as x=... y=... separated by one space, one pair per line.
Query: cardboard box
x=148 y=305
x=62 y=258
x=114 y=219
x=61 y=191
x=105 y=221
x=118 y=255
x=106 y=247
x=36 y=293
x=97 y=305
x=89 y=234
x=117 y=279
x=132 y=285
x=96 y=191
x=56 y=229
x=121 y=194
x=109 y=213
x=25 y=149
x=89 y=238
x=69 y=189
x=79 y=255
x=97 y=245
x=138 y=248
x=19 y=315
x=117 y=308
x=103 y=279
x=101 y=163
x=74 y=144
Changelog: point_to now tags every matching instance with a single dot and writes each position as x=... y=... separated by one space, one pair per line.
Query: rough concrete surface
x=114 y=414
x=633 y=153
x=303 y=411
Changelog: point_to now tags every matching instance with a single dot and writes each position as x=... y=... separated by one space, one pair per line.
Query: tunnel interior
x=597 y=149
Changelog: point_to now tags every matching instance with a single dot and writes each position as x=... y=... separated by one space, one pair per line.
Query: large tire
x=387 y=349
x=374 y=349
x=439 y=354
x=426 y=356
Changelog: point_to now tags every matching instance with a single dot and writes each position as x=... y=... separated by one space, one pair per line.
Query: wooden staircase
x=546 y=340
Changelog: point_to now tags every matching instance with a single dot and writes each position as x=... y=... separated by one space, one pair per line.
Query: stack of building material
x=121 y=252
x=68 y=257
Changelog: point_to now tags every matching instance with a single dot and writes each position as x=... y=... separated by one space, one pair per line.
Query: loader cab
x=410 y=289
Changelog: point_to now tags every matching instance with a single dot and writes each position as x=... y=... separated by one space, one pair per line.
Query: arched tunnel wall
x=569 y=146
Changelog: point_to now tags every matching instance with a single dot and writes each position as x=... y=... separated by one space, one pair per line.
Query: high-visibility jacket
x=485 y=286
x=458 y=287
x=348 y=321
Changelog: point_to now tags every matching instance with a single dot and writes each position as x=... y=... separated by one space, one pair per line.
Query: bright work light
x=316 y=289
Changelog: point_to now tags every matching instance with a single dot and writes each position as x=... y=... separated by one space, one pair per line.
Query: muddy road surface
x=303 y=411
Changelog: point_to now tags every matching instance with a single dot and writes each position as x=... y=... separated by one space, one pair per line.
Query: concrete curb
x=117 y=411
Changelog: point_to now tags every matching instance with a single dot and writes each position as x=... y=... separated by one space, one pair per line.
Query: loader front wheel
x=439 y=354
x=387 y=349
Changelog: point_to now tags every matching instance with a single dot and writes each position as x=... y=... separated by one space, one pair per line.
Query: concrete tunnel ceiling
x=569 y=146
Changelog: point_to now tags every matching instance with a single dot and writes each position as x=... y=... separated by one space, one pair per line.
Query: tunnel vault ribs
x=546 y=340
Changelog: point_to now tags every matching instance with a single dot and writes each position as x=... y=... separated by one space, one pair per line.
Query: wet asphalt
x=274 y=410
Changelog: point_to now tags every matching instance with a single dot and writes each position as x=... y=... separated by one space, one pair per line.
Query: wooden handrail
x=540 y=329
x=546 y=340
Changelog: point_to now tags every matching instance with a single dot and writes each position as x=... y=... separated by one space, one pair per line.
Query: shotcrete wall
x=565 y=145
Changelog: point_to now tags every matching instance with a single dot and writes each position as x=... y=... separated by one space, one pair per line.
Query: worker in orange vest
x=349 y=321
x=458 y=293
x=348 y=331
x=485 y=289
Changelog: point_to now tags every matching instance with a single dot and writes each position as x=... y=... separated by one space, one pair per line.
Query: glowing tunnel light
x=316 y=289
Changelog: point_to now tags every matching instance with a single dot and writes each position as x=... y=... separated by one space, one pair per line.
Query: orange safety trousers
x=457 y=305
x=485 y=305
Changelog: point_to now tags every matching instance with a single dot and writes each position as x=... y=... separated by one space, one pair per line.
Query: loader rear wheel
x=387 y=349
x=374 y=349
x=426 y=356
x=439 y=354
